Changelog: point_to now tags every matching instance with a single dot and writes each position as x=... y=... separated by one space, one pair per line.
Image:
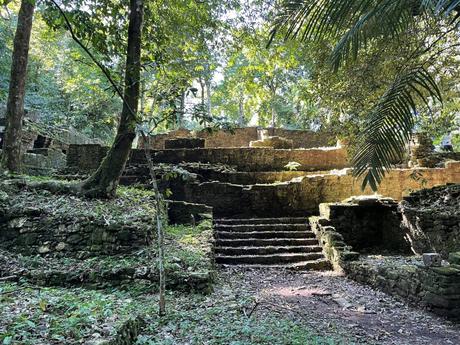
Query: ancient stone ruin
x=44 y=146
x=288 y=199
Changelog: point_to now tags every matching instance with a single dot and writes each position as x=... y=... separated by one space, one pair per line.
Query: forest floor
x=64 y=300
x=279 y=307
x=246 y=307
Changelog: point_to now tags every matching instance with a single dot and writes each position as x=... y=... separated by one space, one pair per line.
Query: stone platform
x=253 y=182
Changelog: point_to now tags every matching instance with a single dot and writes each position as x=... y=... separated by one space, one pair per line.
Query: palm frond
x=389 y=127
x=388 y=20
x=445 y=6
x=361 y=20
x=352 y=22
x=307 y=20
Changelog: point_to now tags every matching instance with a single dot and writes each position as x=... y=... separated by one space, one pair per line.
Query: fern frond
x=389 y=126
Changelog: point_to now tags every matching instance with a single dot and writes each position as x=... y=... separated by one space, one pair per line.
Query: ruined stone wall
x=34 y=221
x=306 y=139
x=84 y=158
x=300 y=196
x=369 y=224
x=431 y=219
x=303 y=197
x=396 y=184
x=436 y=288
x=88 y=157
x=241 y=137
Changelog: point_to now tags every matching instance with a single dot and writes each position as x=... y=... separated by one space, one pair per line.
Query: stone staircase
x=268 y=243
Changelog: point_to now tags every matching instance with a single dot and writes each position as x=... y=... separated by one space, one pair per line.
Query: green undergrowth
x=30 y=315
x=188 y=264
x=34 y=210
x=132 y=205
x=201 y=320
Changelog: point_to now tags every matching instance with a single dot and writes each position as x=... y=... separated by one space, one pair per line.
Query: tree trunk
x=104 y=182
x=181 y=114
x=241 y=110
x=202 y=89
x=12 y=151
x=208 y=96
x=203 y=99
x=273 y=120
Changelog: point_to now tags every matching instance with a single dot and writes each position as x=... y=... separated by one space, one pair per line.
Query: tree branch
x=93 y=58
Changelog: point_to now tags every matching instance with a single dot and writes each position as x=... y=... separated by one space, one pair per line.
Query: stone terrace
x=260 y=208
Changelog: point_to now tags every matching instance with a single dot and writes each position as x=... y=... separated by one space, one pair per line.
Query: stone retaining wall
x=396 y=184
x=34 y=221
x=368 y=224
x=431 y=218
x=88 y=157
x=301 y=196
x=437 y=288
x=84 y=158
x=241 y=137
x=32 y=234
x=42 y=161
x=336 y=251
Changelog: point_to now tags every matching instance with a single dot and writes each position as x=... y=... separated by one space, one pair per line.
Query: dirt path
x=333 y=305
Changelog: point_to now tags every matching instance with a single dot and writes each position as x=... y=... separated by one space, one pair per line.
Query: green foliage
x=259 y=83
x=390 y=125
x=199 y=321
x=63 y=88
x=292 y=166
x=353 y=26
x=32 y=315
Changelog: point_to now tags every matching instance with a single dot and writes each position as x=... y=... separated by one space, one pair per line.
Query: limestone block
x=274 y=142
x=44 y=249
x=184 y=143
x=432 y=259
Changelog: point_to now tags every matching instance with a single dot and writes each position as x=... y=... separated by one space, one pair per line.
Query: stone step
x=317 y=265
x=267 y=259
x=263 y=234
x=262 y=227
x=285 y=220
x=266 y=250
x=260 y=242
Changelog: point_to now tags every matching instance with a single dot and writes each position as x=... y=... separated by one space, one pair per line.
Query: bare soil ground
x=336 y=307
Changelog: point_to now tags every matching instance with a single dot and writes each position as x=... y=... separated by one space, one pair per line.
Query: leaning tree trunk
x=104 y=182
x=12 y=155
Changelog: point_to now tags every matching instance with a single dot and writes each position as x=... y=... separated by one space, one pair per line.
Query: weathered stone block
x=184 y=143
x=432 y=259
x=181 y=212
x=273 y=142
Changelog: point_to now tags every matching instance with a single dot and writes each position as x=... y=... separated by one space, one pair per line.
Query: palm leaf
x=389 y=126
x=353 y=22
x=389 y=19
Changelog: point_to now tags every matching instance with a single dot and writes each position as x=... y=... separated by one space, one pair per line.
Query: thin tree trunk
x=104 y=182
x=273 y=121
x=203 y=99
x=160 y=214
x=208 y=96
x=202 y=87
x=241 y=110
x=12 y=151
x=180 y=116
